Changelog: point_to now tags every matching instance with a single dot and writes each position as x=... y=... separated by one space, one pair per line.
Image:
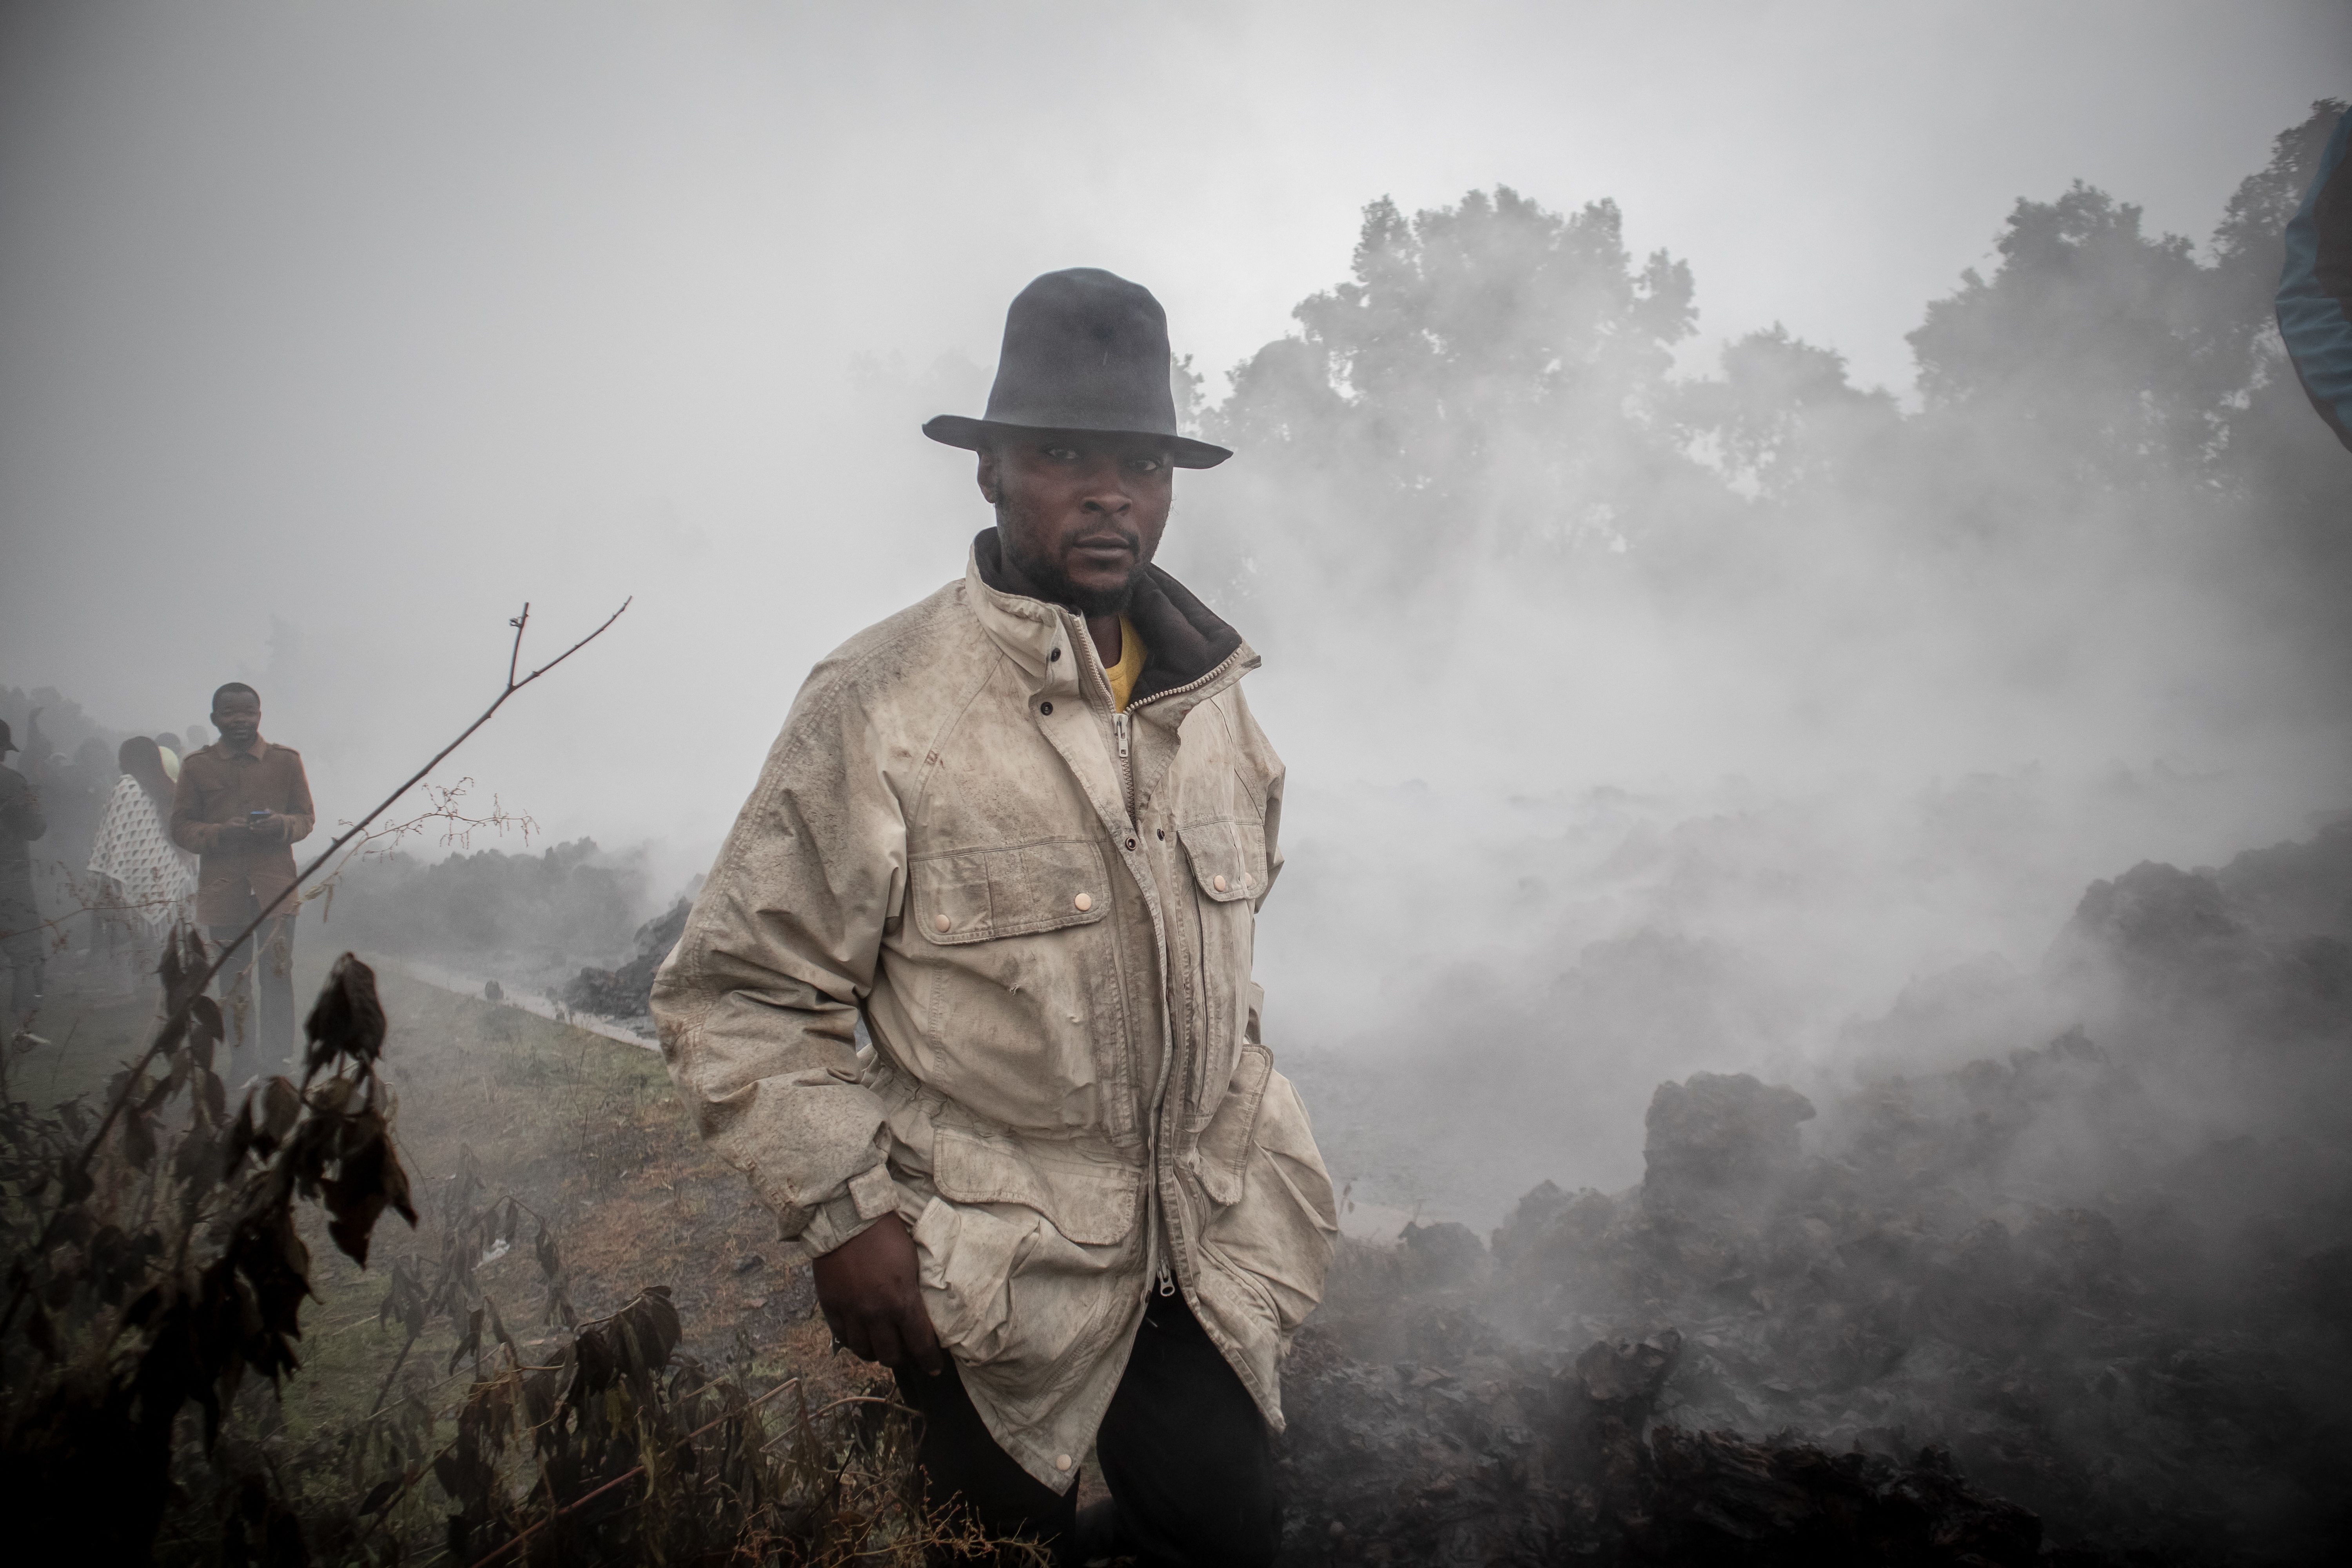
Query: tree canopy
x=1500 y=378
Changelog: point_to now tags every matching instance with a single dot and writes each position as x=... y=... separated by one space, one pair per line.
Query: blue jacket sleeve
x=2315 y=297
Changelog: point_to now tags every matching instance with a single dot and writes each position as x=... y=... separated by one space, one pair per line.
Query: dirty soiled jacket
x=1043 y=912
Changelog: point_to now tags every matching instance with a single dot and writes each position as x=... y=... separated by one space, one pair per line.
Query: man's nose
x=1107 y=492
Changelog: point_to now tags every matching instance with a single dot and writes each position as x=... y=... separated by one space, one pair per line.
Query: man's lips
x=1105 y=544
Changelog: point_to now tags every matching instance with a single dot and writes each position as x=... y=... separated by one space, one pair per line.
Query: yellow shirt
x=1129 y=667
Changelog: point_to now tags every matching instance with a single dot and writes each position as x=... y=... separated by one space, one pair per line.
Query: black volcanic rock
x=626 y=993
x=2078 y=1301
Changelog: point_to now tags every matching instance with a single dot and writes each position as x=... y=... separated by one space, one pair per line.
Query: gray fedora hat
x=1084 y=350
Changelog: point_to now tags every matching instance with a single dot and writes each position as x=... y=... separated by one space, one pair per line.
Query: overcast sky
x=328 y=334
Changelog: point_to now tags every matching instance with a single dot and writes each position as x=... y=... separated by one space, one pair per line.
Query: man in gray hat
x=1020 y=832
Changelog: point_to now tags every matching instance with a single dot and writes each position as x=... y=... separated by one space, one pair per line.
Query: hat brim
x=977 y=434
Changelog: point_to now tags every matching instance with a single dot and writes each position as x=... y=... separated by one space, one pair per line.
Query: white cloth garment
x=151 y=878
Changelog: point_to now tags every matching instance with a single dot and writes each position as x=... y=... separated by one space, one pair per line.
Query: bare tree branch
x=196 y=984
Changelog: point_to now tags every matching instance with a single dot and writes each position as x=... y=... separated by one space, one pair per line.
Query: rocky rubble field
x=2063 y=1275
x=625 y=994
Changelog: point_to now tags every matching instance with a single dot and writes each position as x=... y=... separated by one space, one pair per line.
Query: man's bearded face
x=1080 y=513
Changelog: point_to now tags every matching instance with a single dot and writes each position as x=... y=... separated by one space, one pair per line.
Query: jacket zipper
x=1188 y=686
x=1157 y=1270
x=1075 y=629
x=1158 y=1274
x=1126 y=766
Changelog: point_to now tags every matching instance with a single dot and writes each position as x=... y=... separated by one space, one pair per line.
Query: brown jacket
x=1043 y=913
x=218 y=788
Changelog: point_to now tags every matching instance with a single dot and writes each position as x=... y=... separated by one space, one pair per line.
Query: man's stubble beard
x=1054 y=586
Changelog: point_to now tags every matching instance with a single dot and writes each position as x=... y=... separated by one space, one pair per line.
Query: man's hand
x=870 y=1289
x=268 y=829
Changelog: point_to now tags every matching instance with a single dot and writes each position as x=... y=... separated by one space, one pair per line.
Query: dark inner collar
x=1183 y=639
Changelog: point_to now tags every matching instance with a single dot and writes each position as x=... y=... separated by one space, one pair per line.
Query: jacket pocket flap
x=982 y=894
x=1094 y=1205
x=1224 y=1153
x=1228 y=858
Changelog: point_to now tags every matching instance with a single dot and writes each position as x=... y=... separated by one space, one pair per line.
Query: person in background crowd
x=198 y=739
x=20 y=918
x=94 y=773
x=74 y=797
x=241 y=805
x=37 y=746
x=144 y=878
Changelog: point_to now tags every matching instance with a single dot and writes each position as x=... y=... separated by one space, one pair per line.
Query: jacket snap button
x=1084 y=903
x=1061 y=1461
x=1162 y=831
x=1220 y=884
x=1045 y=707
x=1130 y=844
x=1052 y=656
x=941 y=922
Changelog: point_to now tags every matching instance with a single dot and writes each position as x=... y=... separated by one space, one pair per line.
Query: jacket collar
x=1190 y=648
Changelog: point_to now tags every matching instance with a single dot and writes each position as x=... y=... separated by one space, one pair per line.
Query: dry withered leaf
x=241 y=1139
x=348 y=1018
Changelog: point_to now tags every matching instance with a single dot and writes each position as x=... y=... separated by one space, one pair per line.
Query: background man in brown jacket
x=242 y=805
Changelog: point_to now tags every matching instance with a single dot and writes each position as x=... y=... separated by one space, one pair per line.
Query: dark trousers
x=259 y=1010
x=1185 y=1453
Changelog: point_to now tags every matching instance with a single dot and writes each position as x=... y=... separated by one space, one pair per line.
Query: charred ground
x=2082 y=1292
x=2058 y=1272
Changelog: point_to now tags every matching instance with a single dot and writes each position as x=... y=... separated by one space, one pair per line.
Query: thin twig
x=626 y=1476
x=519 y=623
x=519 y=1365
x=194 y=987
x=852 y=1399
x=397 y=1363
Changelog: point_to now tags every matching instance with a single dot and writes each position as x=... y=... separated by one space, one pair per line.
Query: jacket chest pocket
x=1228 y=862
x=1021 y=1004
x=981 y=895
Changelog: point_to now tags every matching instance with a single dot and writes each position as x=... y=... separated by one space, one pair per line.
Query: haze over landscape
x=1805 y=608
x=333 y=336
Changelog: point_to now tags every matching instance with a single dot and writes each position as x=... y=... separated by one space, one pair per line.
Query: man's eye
x=1145 y=465
x=1063 y=454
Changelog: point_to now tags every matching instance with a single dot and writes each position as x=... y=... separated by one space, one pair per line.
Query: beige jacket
x=1043 y=912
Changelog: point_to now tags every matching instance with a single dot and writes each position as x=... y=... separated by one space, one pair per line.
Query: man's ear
x=990 y=491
